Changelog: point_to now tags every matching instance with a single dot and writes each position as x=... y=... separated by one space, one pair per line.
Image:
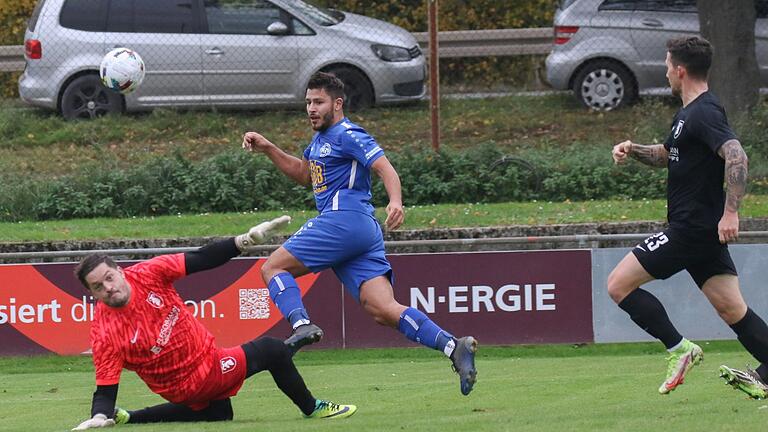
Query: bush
x=13 y=20
x=454 y=14
x=165 y=185
x=238 y=181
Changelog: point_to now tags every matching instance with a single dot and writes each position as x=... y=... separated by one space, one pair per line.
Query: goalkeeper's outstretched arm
x=218 y=253
x=102 y=408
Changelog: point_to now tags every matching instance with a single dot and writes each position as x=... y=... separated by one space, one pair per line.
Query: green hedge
x=238 y=181
x=13 y=23
x=454 y=14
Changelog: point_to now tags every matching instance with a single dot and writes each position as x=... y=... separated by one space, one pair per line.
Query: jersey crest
x=155 y=300
x=678 y=128
x=228 y=364
x=325 y=150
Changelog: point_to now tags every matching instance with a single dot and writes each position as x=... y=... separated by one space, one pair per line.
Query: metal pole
x=434 y=76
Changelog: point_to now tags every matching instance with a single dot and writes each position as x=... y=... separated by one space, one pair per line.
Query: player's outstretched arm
x=736 y=175
x=652 y=155
x=102 y=407
x=219 y=252
x=395 y=214
x=295 y=168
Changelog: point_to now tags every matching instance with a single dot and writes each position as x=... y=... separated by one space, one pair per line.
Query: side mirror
x=277 y=28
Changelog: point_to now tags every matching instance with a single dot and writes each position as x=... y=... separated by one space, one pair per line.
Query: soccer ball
x=122 y=70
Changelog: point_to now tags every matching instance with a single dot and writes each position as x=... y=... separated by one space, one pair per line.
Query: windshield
x=319 y=15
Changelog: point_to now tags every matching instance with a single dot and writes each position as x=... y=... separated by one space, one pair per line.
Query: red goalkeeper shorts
x=224 y=380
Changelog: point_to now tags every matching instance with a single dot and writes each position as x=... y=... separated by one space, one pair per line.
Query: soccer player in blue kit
x=345 y=236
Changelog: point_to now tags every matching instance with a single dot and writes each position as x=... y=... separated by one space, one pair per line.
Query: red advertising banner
x=500 y=298
x=43 y=307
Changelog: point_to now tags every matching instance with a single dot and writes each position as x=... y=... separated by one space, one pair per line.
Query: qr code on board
x=254 y=303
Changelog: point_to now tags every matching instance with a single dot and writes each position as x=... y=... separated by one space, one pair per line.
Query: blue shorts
x=349 y=242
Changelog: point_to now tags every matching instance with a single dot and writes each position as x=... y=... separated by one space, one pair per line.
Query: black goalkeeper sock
x=648 y=313
x=752 y=332
x=218 y=410
x=762 y=370
x=273 y=355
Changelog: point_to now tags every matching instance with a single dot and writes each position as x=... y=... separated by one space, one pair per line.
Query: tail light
x=33 y=49
x=564 y=33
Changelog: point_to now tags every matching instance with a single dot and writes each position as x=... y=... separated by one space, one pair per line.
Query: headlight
x=391 y=53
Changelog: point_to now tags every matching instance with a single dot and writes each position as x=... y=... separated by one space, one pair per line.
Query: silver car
x=609 y=51
x=213 y=53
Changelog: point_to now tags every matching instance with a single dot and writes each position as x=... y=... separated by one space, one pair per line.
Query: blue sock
x=287 y=296
x=416 y=326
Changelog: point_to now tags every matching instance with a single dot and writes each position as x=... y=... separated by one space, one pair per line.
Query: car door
x=653 y=23
x=614 y=16
x=165 y=33
x=243 y=63
x=612 y=37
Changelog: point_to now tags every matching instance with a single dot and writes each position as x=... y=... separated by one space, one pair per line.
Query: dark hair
x=328 y=82
x=694 y=53
x=87 y=264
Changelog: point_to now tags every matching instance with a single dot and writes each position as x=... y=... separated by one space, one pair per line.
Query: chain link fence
x=240 y=53
x=260 y=53
x=610 y=51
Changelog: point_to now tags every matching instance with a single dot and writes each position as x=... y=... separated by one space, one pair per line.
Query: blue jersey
x=340 y=159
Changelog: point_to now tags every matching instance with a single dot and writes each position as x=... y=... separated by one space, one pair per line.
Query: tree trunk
x=734 y=76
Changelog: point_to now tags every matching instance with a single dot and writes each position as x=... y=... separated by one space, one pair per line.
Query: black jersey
x=695 y=195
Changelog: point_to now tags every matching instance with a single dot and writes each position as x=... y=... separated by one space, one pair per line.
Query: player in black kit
x=701 y=152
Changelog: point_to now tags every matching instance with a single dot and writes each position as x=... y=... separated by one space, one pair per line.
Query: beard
x=326 y=122
x=676 y=91
x=116 y=303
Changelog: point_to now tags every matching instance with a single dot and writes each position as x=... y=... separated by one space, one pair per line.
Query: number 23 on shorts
x=653 y=242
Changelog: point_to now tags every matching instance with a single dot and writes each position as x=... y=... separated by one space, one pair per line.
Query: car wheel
x=358 y=93
x=86 y=98
x=605 y=85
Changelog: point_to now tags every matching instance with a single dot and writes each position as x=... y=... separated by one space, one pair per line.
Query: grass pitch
x=416 y=217
x=525 y=388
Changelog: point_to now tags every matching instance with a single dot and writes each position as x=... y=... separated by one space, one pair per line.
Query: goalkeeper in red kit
x=141 y=324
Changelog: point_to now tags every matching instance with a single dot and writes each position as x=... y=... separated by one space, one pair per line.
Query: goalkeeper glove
x=98 y=421
x=260 y=233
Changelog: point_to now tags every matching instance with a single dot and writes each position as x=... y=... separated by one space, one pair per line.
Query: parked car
x=608 y=51
x=213 y=53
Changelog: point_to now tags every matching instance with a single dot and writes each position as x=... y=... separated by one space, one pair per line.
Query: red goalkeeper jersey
x=153 y=334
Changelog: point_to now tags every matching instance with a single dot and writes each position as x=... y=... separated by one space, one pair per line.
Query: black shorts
x=668 y=252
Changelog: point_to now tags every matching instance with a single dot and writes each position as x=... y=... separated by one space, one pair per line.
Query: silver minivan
x=609 y=51
x=213 y=53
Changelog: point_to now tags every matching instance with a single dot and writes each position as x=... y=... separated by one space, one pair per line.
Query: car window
x=565 y=3
x=622 y=5
x=300 y=28
x=240 y=16
x=35 y=15
x=762 y=8
x=317 y=14
x=87 y=15
x=667 y=6
x=151 y=16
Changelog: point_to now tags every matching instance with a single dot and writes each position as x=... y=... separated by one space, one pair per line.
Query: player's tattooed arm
x=654 y=155
x=736 y=173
